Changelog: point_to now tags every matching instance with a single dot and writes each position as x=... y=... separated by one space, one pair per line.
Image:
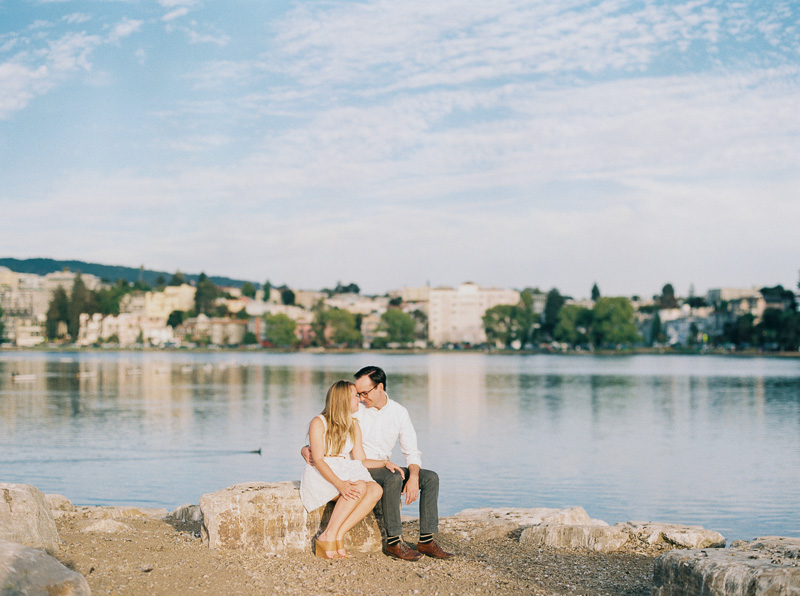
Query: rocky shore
x=134 y=551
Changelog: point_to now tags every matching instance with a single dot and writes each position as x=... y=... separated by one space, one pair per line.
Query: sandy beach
x=153 y=557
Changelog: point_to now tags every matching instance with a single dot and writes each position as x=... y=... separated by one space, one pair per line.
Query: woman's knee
x=374 y=491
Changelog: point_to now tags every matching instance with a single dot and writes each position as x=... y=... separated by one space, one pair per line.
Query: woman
x=340 y=470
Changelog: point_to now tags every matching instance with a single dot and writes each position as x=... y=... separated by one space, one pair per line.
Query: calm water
x=710 y=440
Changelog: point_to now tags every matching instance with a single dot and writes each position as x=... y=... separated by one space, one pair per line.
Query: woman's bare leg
x=370 y=496
x=341 y=512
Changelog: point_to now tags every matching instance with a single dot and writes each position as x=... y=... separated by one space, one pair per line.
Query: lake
x=708 y=440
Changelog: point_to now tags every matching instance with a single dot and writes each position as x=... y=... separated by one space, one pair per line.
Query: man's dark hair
x=375 y=374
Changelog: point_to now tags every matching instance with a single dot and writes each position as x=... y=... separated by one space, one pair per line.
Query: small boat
x=18 y=378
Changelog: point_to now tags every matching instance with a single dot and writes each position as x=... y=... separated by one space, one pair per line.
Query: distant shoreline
x=750 y=353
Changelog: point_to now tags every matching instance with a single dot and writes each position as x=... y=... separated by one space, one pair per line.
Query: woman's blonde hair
x=338 y=417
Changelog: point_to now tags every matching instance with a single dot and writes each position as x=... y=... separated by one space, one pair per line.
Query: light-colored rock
x=602 y=539
x=25 y=517
x=269 y=518
x=187 y=513
x=28 y=571
x=487 y=523
x=763 y=567
x=116 y=512
x=676 y=534
x=59 y=503
x=103 y=526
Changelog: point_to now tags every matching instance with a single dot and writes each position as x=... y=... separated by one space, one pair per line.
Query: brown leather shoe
x=402 y=551
x=433 y=550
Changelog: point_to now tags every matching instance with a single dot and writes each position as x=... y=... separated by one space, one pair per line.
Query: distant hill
x=110 y=273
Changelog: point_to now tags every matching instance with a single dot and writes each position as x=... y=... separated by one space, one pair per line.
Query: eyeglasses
x=364 y=394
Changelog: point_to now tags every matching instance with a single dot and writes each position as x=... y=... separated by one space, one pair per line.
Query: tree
x=81 y=301
x=57 y=314
x=249 y=338
x=552 y=305
x=667 y=299
x=177 y=279
x=248 y=290
x=160 y=282
x=2 y=325
x=526 y=318
x=279 y=330
x=501 y=324
x=613 y=322
x=242 y=315
x=287 y=297
x=341 y=325
x=205 y=295
x=595 y=293
x=573 y=325
x=656 y=330
x=176 y=317
x=108 y=299
x=267 y=290
x=399 y=326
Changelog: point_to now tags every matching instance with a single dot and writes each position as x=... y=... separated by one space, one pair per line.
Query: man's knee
x=428 y=479
x=393 y=483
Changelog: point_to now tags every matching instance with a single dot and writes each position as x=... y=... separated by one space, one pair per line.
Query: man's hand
x=411 y=490
x=306 y=453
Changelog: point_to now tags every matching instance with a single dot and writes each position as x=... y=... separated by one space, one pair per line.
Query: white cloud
x=123 y=29
x=175 y=14
x=77 y=17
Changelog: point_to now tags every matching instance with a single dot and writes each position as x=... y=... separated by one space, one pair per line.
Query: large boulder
x=28 y=571
x=763 y=567
x=674 y=534
x=486 y=523
x=269 y=518
x=602 y=539
x=25 y=517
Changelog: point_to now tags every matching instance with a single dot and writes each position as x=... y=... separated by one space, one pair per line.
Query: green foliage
x=342 y=289
x=221 y=310
x=2 y=324
x=57 y=314
x=279 y=330
x=667 y=299
x=574 y=324
x=613 y=322
x=779 y=329
x=108 y=299
x=242 y=315
x=551 y=308
x=656 y=330
x=176 y=317
x=248 y=290
x=249 y=338
x=595 y=293
x=81 y=301
x=287 y=297
x=177 y=279
x=267 y=290
x=396 y=301
x=501 y=324
x=399 y=326
x=341 y=327
x=205 y=295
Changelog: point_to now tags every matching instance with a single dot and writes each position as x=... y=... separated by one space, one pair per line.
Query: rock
x=488 y=523
x=270 y=519
x=32 y=572
x=602 y=539
x=25 y=517
x=187 y=513
x=679 y=535
x=105 y=526
x=59 y=503
x=767 y=566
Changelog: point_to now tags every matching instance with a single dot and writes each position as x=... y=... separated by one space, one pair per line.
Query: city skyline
x=630 y=144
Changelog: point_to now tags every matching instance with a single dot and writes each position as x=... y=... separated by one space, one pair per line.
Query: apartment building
x=455 y=314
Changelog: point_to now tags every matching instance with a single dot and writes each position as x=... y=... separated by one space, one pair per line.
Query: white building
x=455 y=314
x=159 y=305
x=358 y=304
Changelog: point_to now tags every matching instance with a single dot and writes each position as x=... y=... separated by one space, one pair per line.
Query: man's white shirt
x=381 y=429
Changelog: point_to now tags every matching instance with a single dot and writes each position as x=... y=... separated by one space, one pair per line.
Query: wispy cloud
x=123 y=29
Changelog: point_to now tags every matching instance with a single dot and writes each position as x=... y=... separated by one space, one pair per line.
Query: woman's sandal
x=339 y=547
x=323 y=548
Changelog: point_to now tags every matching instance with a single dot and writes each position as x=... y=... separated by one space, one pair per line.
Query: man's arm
x=305 y=453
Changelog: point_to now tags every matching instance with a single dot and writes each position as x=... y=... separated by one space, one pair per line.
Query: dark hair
x=375 y=374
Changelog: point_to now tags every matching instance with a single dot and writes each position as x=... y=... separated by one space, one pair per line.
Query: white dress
x=315 y=491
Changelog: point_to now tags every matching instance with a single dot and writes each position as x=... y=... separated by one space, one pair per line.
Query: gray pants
x=392 y=485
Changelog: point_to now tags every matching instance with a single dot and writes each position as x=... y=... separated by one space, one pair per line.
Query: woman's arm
x=316 y=437
x=358 y=453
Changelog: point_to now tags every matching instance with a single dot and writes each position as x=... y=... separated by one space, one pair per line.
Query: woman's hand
x=393 y=467
x=349 y=490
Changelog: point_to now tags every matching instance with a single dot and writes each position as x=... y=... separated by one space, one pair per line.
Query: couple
x=348 y=461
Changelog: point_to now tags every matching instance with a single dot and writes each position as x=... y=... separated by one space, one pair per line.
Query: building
x=455 y=314
x=159 y=305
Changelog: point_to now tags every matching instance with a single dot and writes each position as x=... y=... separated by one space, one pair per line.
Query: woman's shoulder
x=318 y=420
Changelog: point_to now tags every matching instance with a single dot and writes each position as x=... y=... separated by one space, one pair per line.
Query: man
x=384 y=422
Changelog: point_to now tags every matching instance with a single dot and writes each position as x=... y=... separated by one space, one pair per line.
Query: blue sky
x=511 y=143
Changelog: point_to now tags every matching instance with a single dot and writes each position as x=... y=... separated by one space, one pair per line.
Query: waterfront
x=705 y=440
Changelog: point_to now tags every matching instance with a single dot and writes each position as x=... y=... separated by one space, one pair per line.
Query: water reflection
x=703 y=440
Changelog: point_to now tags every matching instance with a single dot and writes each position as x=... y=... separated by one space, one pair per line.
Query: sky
x=510 y=143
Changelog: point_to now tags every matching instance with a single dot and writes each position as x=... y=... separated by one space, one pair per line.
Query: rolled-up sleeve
x=408 y=440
